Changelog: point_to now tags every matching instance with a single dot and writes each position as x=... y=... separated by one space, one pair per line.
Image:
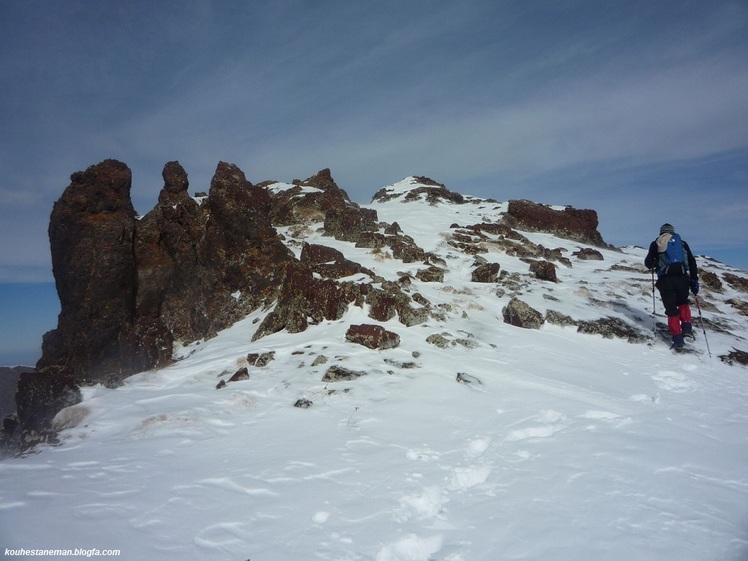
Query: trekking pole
x=701 y=319
x=654 y=306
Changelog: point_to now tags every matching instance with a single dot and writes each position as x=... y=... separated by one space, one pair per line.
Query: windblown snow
x=554 y=445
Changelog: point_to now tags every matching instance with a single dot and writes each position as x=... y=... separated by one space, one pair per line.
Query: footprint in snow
x=467 y=477
x=426 y=505
x=410 y=548
x=673 y=381
x=549 y=423
x=422 y=454
x=477 y=447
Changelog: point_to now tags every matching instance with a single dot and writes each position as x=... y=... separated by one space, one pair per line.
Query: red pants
x=674 y=322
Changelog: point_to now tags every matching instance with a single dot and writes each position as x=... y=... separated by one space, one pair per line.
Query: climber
x=672 y=260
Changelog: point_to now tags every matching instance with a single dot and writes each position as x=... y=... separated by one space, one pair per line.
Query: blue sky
x=637 y=109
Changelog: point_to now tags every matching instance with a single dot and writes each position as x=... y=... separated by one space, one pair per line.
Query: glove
x=695 y=286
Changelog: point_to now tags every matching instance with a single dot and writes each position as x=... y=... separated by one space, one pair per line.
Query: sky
x=636 y=109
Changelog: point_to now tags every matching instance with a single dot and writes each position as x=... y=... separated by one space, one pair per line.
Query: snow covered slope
x=500 y=443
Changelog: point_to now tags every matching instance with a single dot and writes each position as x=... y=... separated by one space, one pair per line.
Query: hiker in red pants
x=676 y=271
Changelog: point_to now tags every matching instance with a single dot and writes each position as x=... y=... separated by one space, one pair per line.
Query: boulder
x=520 y=314
x=340 y=374
x=372 y=336
x=260 y=359
x=487 y=272
x=544 y=270
x=431 y=274
x=588 y=254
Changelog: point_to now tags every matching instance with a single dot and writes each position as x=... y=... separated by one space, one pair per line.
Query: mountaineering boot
x=678 y=342
x=687 y=330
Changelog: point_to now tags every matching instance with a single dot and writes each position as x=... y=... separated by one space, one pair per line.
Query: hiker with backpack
x=671 y=258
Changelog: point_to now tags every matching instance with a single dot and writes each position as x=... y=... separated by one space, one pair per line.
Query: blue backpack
x=672 y=259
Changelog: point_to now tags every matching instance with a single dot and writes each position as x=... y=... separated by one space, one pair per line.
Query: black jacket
x=653 y=257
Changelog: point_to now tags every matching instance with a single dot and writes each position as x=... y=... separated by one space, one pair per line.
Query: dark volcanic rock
x=391 y=301
x=239 y=375
x=201 y=268
x=520 y=314
x=431 y=274
x=91 y=233
x=130 y=289
x=8 y=381
x=329 y=262
x=737 y=282
x=328 y=203
x=711 y=280
x=39 y=397
x=488 y=272
x=570 y=223
x=298 y=206
x=303 y=299
x=260 y=359
x=611 y=327
x=430 y=190
x=372 y=336
x=544 y=270
x=588 y=254
x=322 y=180
x=341 y=374
x=349 y=223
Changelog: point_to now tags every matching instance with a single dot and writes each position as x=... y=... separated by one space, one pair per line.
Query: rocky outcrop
x=129 y=289
x=349 y=223
x=569 y=223
x=737 y=282
x=92 y=236
x=330 y=263
x=300 y=204
x=39 y=397
x=607 y=327
x=391 y=302
x=711 y=280
x=431 y=191
x=303 y=299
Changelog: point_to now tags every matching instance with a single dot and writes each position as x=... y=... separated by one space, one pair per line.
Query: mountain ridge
x=198 y=264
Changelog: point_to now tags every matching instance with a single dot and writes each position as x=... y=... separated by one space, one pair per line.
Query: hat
x=667 y=229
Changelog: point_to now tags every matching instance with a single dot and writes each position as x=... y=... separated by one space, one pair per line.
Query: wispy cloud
x=594 y=104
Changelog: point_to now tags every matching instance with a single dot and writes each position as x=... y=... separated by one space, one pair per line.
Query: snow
x=557 y=445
